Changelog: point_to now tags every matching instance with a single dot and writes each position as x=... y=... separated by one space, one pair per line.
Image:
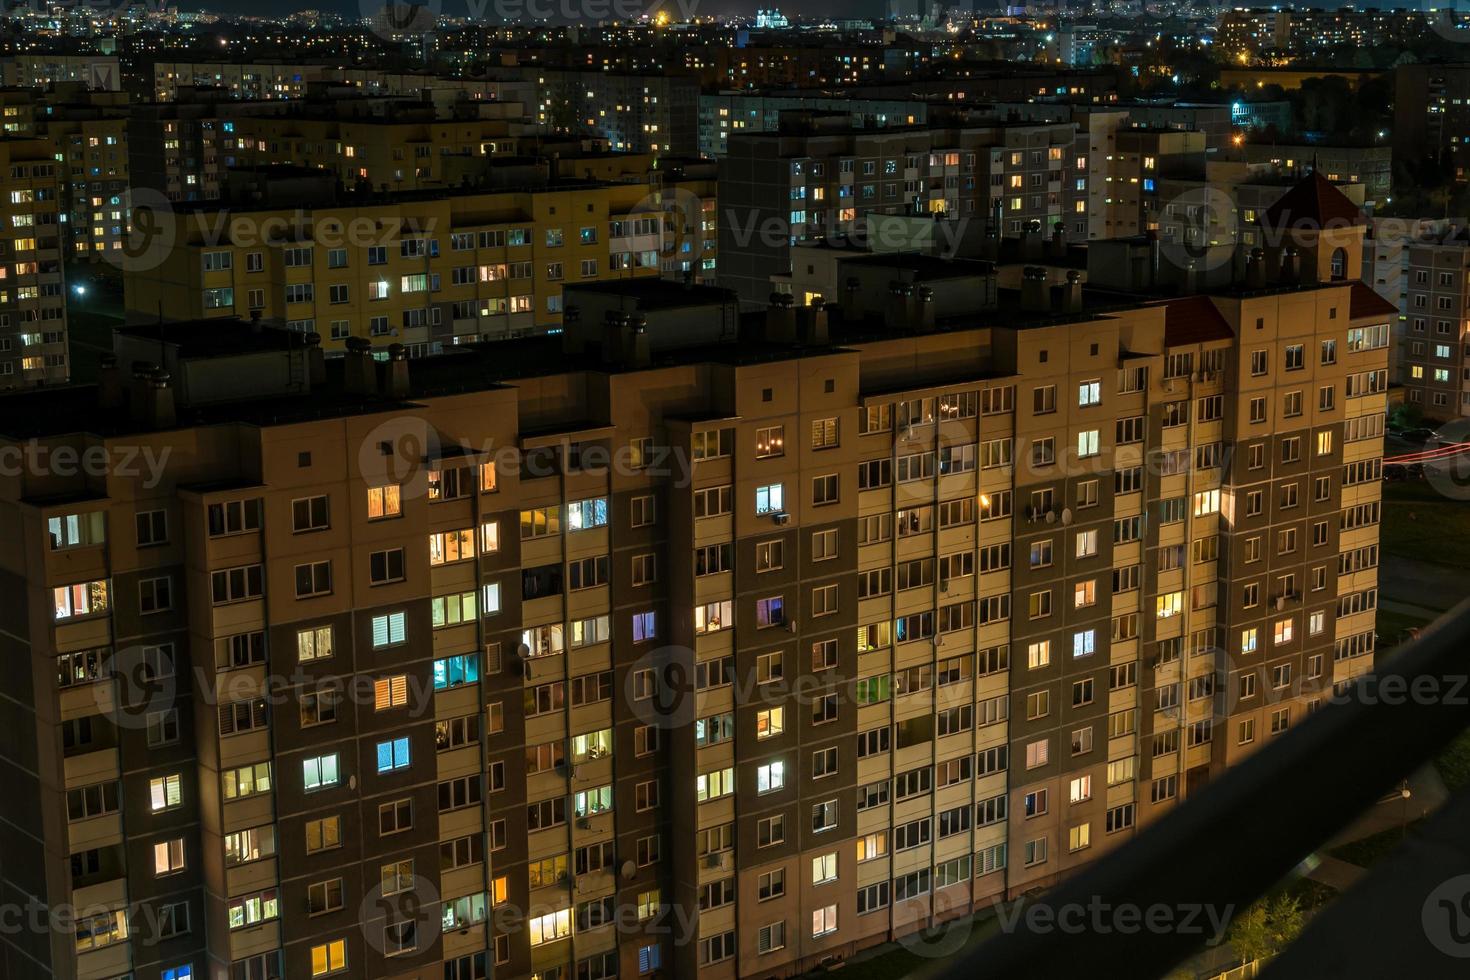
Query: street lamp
x=1404 y=794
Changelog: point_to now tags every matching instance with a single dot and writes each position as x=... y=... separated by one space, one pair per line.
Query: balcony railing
x=1243 y=833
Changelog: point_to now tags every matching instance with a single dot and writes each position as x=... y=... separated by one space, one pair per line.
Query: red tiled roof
x=1193 y=320
x=1366 y=303
x=1312 y=203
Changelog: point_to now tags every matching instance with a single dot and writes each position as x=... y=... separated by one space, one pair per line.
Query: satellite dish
x=629 y=870
x=1066 y=515
x=1051 y=517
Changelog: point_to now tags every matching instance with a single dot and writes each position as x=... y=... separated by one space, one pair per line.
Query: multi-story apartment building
x=1431 y=354
x=883 y=58
x=425 y=270
x=32 y=280
x=386 y=147
x=1245 y=34
x=1371 y=166
x=637 y=112
x=1227 y=203
x=728 y=113
x=558 y=659
x=1386 y=270
x=88 y=131
x=1431 y=115
x=176 y=148
x=1130 y=173
x=820 y=179
x=249 y=81
x=96 y=71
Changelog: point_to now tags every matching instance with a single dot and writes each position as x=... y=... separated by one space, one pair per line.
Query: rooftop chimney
x=1034 y=298
x=781 y=319
x=1072 y=292
x=160 y=401
x=1031 y=244
x=111 y=395
x=396 y=370
x=1057 y=247
x=900 y=303
x=1255 y=269
x=1291 y=265
x=316 y=360
x=359 y=375
x=925 y=319
x=813 y=330
x=636 y=353
x=625 y=340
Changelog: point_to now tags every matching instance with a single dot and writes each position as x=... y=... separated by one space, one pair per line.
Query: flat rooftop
x=656 y=294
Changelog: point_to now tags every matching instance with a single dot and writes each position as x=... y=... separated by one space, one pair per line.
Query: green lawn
x=1371 y=849
x=1454 y=763
x=1420 y=523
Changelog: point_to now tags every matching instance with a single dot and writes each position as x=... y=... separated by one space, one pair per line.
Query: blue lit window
x=393 y=754
x=457 y=670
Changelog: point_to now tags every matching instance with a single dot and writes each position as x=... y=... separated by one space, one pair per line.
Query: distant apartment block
x=727 y=114
x=820 y=179
x=33 y=341
x=880 y=616
x=424 y=270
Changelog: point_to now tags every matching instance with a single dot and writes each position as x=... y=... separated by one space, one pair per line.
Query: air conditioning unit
x=781 y=518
